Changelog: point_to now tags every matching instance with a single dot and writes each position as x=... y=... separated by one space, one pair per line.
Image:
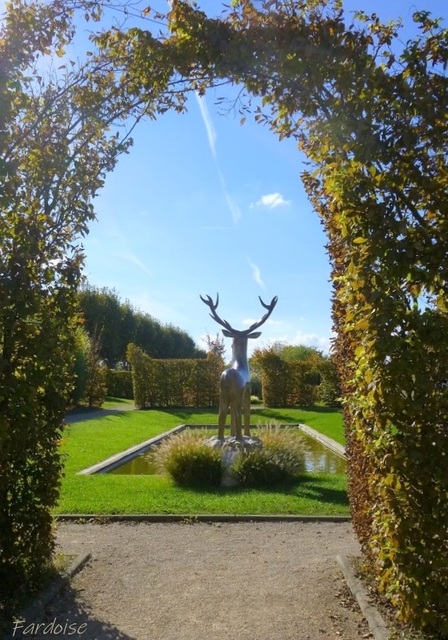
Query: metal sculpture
x=235 y=381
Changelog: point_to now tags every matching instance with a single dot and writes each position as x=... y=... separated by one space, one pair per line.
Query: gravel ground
x=250 y=581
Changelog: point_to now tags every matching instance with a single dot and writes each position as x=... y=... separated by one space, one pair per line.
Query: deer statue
x=235 y=381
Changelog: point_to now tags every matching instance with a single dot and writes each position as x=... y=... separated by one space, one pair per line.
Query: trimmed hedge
x=287 y=384
x=119 y=384
x=173 y=383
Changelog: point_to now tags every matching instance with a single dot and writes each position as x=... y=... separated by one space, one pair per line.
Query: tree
x=216 y=347
x=95 y=387
x=80 y=364
x=297 y=352
x=60 y=133
x=372 y=122
x=120 y=324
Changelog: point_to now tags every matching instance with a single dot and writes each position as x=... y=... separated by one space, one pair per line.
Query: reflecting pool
x=317 y=458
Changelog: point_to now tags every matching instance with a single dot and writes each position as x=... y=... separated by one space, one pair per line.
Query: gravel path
x=250 y=581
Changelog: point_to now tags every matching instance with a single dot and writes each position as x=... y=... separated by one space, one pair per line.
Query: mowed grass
x=90 y=441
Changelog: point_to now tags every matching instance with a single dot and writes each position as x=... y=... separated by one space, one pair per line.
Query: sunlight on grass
x=88 y=442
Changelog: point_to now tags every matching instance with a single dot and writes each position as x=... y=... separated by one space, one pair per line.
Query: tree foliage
x=294 y=375
x=61 y=131
x=119 y=324
x=372 y=119
x=371 y=116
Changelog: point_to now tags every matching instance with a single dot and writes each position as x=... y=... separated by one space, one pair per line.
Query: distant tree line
x=114 y=324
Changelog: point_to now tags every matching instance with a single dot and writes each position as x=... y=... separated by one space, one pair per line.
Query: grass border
x=93 y=504
x=192 y=518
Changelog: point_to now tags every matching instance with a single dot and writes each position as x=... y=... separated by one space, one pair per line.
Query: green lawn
x=88 y=442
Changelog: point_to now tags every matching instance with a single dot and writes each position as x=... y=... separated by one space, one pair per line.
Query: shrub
x=329 y=390
x=119 y=384
x=280 y=459
x=173 y=383
x=286 y=446
x=80 y=364
x=259 y=468
x=189 y=460
x=286 y=384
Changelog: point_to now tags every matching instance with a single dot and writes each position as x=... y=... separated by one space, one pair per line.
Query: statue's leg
x=223 y=406
x=233 y=418
x=246 y=410
x=236 y=417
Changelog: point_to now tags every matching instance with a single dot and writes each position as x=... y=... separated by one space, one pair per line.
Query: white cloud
x=133 y=259
x=271 y=201
x=209 y=127
x=312 y=340
x=212 y=137
x=272 y=323
x=234 y=209
x=256 y=273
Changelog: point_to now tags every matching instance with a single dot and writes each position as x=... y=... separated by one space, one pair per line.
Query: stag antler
x=213 y=306
x=270 y=307
x=214 y=315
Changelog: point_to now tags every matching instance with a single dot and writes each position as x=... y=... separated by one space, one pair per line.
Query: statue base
x=232 y=447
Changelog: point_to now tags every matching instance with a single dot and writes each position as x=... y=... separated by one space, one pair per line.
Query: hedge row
x=119 y=384
x=173 y=383
x=297 y=382
x=288 y=383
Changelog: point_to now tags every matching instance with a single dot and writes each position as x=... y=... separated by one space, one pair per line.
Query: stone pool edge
x=325 y=440
x=124 y=456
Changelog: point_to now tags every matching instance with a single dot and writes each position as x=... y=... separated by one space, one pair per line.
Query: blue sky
x=204 y=205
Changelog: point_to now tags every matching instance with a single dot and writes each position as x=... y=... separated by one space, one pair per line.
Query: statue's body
x=235 y=391
x=235 y=381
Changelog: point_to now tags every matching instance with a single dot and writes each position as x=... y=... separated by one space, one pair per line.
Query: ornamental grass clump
x=189 y=460
x=280 y=459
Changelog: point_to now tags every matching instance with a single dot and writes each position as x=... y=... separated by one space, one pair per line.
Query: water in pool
x=317 y=457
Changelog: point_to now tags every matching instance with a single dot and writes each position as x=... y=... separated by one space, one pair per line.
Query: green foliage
x=58 y=140
x=120 y=324
x=95 y=386
x=190 y=461
x=45 y=203
x=279 y=461
x=286 y=383
x=258 y=468
x=173 y=383
x=329 y=392
x=80 y=365
x=119 y=384
x=295 y=352
x=90 y=375
x=86 y=443
x=372 y=122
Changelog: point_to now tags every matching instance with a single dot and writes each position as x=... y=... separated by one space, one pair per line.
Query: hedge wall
x=119 y=384
x=287 y=383
x=173 y=383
